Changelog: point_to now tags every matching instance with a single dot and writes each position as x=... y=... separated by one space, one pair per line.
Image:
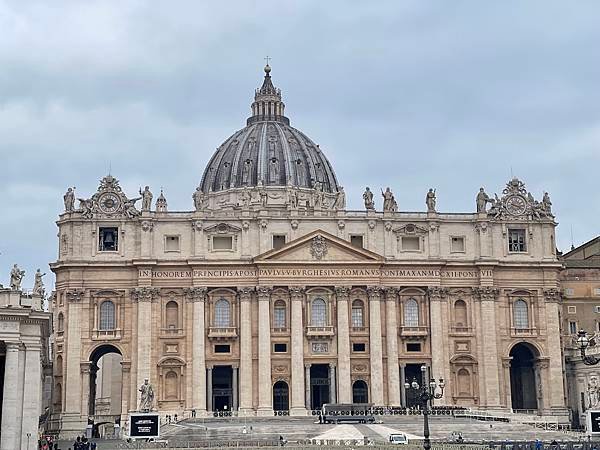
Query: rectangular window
x=413 y=347
x=569 y=292
x=279 y=316
x=222 y=348
x=411 y=243
x=108 y=239
x=572 y=327
x=280 y=348
x=516 y=240
x=222 y=242
x=597 y=309
x=597 y=292
x=572 y=310
x=278 y=241
x=356 y=240
x=358 y=347
x=171 y=243
x=457 y=244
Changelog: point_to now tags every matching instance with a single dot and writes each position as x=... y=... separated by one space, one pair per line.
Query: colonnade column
x=10 y=433
x=234 y=386
x=209 y=396
x=307 y=387
x=343 y=336
x=402 y=381
x=375 y=351
x=555 y=367
x=86 y=373
x=31 y=397
x=197 y=296
x=298 y=405
x=265 y=389
x=436 y=295
x=245 y=375
x=144 y=296
x=391 y=339
x=125 y=387
x=488 y=296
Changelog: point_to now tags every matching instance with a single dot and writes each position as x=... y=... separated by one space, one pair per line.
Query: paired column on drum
x=298 y=404
x=197 y=296
x=376 y=356
x=343 y=336
x=144 y=297
x=391 y=339
x=265 y=390
x=245 y=294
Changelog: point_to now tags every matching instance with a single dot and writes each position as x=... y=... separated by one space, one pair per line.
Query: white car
x=398 y=438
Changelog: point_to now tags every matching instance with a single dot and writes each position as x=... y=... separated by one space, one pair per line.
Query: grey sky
x=406 y=94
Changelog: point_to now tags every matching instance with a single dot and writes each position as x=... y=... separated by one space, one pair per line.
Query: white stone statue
x=593 y=393
x=547 y=204
x=146 y=396
x=16 y=276
x=368 y=198
x=340 y=201
x=146 y=199
x=69 y=199
x=430 y=200
x=38 y=284
x=389 y=202
x=293 y=198
x=482 y=199
x=198 y=197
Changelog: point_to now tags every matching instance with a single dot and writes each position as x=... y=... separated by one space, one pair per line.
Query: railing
x=280 y=330
x=222 y=332
x=171 y=331
x=414 y=331
x=523 y=331
x=462 y=330
x=319 y=331
x=106 y=334
x=359 y=330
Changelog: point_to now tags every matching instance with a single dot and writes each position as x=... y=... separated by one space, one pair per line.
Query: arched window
x=60 y=322
x=318 y=313
x=58 y=370
x=58 y=397
x=107 y=315
x=464 y=382
x=222 y=313
x=171 y=386
x=460 y=314
x=521 y=314
x=279 y=313
x=411 y=313
x=172 y=314
x=360 y=392
x=358 y=314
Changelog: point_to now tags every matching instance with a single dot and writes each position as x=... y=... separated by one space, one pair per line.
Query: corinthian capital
x=196 y=293
x=144 y=294
x=552 y=295
x=391 y=293
x=75 y=295
x=245 y=292
x=296 y=292
x=374 y=292
x=486 y=293
x=342 y=292
x=264 y=292
x=437 y=292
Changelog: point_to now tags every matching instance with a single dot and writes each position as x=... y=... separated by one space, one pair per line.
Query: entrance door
x=319 y=385
x=360 y=393
x=412 y=372
x=281 y=396
x=222 y=379
x=522 y=378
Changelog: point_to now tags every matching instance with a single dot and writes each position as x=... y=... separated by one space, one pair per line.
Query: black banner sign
x=144 y=425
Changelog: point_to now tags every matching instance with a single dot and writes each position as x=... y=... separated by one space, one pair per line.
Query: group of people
x=82 y=443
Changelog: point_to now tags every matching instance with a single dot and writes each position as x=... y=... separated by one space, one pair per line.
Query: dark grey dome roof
x=268 y=151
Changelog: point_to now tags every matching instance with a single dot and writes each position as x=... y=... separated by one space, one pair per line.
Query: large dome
x=268 y=151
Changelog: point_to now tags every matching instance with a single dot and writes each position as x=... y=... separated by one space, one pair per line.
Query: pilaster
x=197 y=296
x=245 y=375
x=144 y=297
x=437 y=296
x=552 y=300
x=343 y=336
x=488 y=296
x=265 y=391
x=10 y=431
x=391 y=339
x=298 y=405
x=375 y=352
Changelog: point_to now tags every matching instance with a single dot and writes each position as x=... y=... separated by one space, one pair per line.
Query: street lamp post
x=425 y=394
x=583 y=342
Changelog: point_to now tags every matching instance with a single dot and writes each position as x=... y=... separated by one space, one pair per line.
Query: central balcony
x=222 y=333
x=319 y=332
x=419 y=331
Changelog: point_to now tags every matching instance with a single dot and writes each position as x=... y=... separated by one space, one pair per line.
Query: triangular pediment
x=319 y=246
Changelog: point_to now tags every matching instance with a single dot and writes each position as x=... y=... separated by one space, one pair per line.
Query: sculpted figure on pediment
x=368 y=198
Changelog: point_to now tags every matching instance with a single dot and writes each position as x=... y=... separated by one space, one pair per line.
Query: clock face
x=109 y=203
x=516 y=205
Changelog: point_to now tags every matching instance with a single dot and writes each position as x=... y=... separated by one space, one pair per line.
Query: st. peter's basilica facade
x=271 y=296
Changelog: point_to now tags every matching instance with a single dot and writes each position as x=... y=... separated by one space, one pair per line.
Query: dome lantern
x=267 y=103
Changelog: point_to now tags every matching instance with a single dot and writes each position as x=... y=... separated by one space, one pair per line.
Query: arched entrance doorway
x=106 y=384
x=319 y=385
x=281 y=395
x=523 y=389
x=360 y=392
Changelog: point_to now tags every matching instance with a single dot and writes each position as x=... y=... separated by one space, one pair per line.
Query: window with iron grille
x=357 y=314
x=572 y=327
x=107 y=315
x=279 y=314
x=411 y=313
x=516 y=240
x=318 y=313
x=222 y=313
x=521 y=315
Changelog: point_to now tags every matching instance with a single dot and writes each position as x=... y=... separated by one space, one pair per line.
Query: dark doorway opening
x=360 y=392
x=523 y=390
x=106 y=384
x=319 y=385
x=412 y=372
x=281 y=395
x=222 y=388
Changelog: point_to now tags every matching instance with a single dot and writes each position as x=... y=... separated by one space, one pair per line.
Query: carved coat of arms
x=318 y=247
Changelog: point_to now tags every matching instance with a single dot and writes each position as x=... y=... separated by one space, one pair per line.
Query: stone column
x=72 y=380
x=265 y=388
x=375 y=351
x=491 y=362
x=245 y=294
x=555 y=368
x=144 y=297
x=31 y=398
x=391 y=339
x=85 y=368
x=234 y=386
x=436 y=296
x=332 y=384
x=209 y=393
x=197 y=296
x=307 y=387
x=343 y=335
x=10 y=430
x=125 y=388
x=402 y=381
x=298 y=405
